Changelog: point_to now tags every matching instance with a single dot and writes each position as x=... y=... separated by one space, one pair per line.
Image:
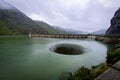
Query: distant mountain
x=69 y=31
x=114 y=29
x=100 y=32
x=13 y=21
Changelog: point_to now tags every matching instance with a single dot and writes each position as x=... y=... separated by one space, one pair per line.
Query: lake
x=29 y=58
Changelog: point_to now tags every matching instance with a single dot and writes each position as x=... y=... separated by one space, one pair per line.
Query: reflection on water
x=24 y=58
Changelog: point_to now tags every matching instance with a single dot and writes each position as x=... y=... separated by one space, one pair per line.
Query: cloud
x=75 y=14
x=74 y=3
x=4 y=5
x=36 y=17
x=110 y=3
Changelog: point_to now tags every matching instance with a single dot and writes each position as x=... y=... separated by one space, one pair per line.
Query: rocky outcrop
x=112 y=73
x=114 y=29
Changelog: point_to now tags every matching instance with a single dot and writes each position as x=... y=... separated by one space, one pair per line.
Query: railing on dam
x=63 y=36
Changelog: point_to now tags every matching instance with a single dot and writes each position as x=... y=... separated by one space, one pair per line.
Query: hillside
x=114 y=29
x=99 y=32
x=13 y=21
x=50 y=29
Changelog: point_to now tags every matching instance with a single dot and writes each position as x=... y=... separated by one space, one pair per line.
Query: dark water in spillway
x=68 y=49
x=24 y=58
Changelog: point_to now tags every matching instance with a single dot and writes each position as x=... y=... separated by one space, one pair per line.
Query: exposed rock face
x=114 y=29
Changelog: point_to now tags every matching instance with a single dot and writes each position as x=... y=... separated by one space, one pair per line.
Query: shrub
x=113 y=56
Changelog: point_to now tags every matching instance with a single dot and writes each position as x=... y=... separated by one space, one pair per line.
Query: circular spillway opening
x=67 y=49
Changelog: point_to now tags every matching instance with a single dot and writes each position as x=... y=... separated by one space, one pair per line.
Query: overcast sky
x=87 y=15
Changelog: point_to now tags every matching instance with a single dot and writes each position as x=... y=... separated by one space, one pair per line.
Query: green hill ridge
x=13 y=21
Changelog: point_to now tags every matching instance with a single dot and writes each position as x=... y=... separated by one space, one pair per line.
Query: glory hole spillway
x=24 y=58
x=67 y=49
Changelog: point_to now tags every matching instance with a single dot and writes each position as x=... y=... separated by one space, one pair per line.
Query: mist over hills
x=5 y=5
x=69 y=31
x=13 y=21
x=100 y=32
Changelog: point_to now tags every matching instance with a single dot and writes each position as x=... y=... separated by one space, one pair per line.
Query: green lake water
x=25 y=58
